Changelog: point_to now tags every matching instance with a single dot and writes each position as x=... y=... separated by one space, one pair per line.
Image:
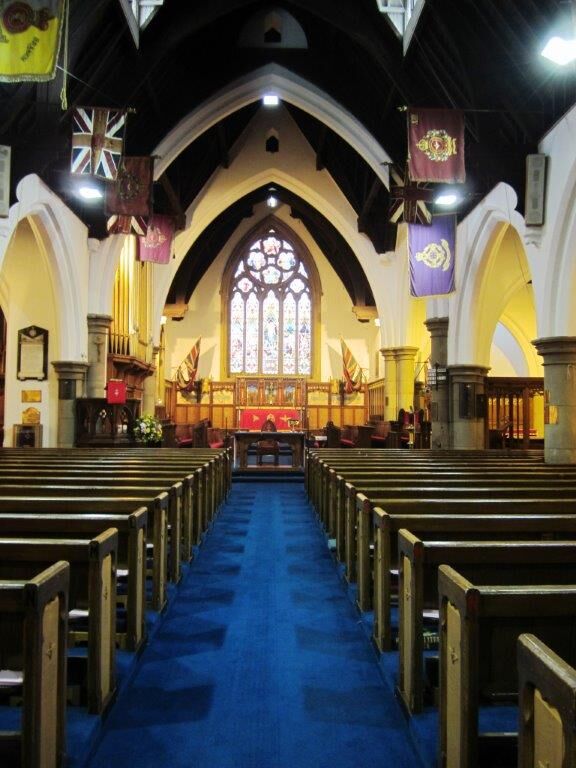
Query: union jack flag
x=408 y=200
x=353 y=374
x=97 y=141
x=188 y=368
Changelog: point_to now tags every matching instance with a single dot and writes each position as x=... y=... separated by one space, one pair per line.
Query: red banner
x=131 y=193
x=156 y=245
x=436 y=145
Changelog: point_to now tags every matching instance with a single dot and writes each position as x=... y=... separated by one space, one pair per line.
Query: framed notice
x=32 y=353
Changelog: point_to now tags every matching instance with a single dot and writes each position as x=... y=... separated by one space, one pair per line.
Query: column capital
x=99 y=323
x=437 y=326
x=406 y=353
x=556 y=349
x=388 y=353
x=70 y=369
x=467 y=373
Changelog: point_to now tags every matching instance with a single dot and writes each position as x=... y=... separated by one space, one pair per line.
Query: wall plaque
x=32 y=353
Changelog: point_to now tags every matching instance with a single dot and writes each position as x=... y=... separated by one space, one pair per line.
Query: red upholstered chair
x=268 y=447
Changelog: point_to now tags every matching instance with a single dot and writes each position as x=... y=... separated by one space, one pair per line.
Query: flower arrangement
x=147 y=430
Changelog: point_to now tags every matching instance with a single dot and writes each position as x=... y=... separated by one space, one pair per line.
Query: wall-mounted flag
x=97 y=141
x=131 y=194
x=351 y=370
x=188 y=368
x=431 y=252
x=30 y=34
x=408 y=201
x=436 y=145
x=156 y=244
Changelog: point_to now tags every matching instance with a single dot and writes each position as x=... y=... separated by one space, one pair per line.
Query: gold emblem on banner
x=436 y=255
x=437 y=145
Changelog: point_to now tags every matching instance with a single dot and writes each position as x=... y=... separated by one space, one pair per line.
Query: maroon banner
x=156 y=245
x=436 y=145
x=131 y=193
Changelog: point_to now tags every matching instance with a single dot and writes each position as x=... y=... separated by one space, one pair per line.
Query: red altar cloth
x=253 y=418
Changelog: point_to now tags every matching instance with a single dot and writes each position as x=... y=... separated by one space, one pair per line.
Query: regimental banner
x=188 y=368
x=156 y=245
x=97 y=141
x=436 y=145
x=431 y=252
x=127 y=225
x=30 y=34
x=351 y=370
x=131 y=194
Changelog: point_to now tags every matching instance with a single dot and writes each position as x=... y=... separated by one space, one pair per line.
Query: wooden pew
x=106 y=505
x=33 y=628
x=66 y=489
x=450 y=527
x=359 y=521
x=479 y=629
x=547 y=706
x=483 y=562
x=131 y=555
x=92 y=587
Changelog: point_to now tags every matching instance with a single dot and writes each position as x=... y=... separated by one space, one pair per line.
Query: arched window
x=270 y=312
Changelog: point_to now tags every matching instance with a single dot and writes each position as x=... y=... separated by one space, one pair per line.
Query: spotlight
x=90 y=193
x=272 y=201
x=559 y=50
x=270 y=100
x=447 y=199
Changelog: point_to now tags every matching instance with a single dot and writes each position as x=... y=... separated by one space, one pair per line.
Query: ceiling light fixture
x=559 y=50
x=272 y=201
x=90 y=193
x=270 y=100
x=447 y=199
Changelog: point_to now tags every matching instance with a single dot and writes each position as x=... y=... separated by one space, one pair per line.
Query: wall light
x=270 y=100
x=559 y=50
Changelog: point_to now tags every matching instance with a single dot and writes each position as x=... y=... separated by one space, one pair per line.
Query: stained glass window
x=270 y=310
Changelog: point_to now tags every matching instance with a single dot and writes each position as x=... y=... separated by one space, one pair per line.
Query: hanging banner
x=436 y=145
x=30 y=34
x=431 y=252
x=131 y=194
x=126 y=225
x=351 y=370
x=156 y=244
x=97 y=141
x=188 y=368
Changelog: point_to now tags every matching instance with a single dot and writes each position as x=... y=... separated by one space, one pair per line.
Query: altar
x=242 y=441
x=253 y=418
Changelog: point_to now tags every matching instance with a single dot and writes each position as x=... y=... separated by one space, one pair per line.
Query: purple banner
x=431 y=252
x=157 y=245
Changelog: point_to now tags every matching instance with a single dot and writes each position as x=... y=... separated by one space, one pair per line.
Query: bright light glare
x=447 y=199
x=272 y=202
x=560 y=51
x=270 y=100
x=90 y=193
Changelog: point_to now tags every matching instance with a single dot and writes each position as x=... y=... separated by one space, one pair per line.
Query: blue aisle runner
x=260 y=661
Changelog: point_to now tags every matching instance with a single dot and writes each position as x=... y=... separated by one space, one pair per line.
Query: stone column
x=438 y=328
x=98 y=333
x=467 y=409
x=390 y=401
x=405 y=362
x=559 y=360
x=71 y=378
x=151 y=385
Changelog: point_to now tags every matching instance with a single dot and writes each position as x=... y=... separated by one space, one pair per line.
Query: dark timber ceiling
x=478 y=56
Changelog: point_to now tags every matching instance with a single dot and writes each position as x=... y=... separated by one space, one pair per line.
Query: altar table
x=294 y=439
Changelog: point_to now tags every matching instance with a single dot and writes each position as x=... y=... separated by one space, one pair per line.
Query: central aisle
x=260 y=661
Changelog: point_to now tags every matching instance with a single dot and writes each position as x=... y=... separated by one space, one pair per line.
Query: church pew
x=131 y=555
x=202 y=493
x=516 y=527
x=483 y=562
x=92 y=587
x=111 y=488
x=106 y=505
x=547 y=717
x=33 y=629
x=479 y=629
x=359 y=522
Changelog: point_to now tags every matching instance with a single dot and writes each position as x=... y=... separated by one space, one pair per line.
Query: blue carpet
x=260 y=661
